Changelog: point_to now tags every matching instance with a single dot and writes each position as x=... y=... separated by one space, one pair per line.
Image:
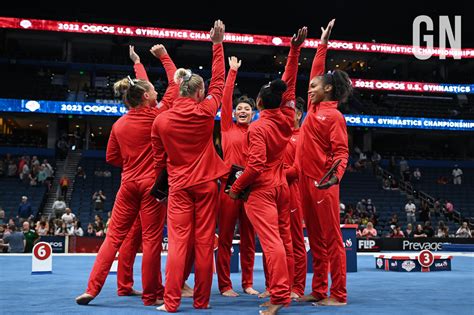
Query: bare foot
x=84 y=299
x=162 y=308
x=230 y=293
x=271 y=310
x=187 y=291
x=330 y=301
x=251 y=291
x=265 y=304
x=264 y=294
x=135 y=293
x=159 y=302
x=307 y=298
x=294 y=296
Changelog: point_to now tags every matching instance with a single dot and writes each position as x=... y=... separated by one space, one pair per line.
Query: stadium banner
x=407 y=244
x=99 y=109
x=409 y=122
x=58 y=243
x=419 y=87
x=236 y=38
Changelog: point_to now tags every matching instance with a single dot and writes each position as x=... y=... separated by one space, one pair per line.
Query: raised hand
x=234 y=63
x=217 y=32
x=298 y=39
x=326 y=32
x=158 y=50
x=133 y=55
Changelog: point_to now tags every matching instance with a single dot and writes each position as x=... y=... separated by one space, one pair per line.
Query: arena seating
x=13 y=189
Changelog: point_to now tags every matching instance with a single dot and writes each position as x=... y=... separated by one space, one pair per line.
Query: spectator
x=370 y=207
x=2 y=216
x=386 y=184
x=369 y=231
x=107 y=223
x=361 y=207
x=42 y=176
x=417 y=174
x=59 y=207
x=90 y=230
x=428 y=229
x=419 y=232
x=410 y=210
x=99 y=199
x=80 y=172
x=61 y=230
x=33 y=179
x=376 y=158
x=424 y=212
x=442 y=180
x=403 y=166
x=437 y=208
x=393 y=221
x=15 y=240
x=68 y=217
x=64 y=184
x=77 y=229
x=51 y=227
x=396 y=232
x=443 y=230
x=449 y=209
x=107 y=173
x=24 y=171
x=30 y=237
x=409 y=230
x=463 y=231
x=394 y=184
x=42 y=227
x=11 y=169
x=25 y=212
x=99 y=229
x=457 y=175
x=342 y=208
x=48 y=169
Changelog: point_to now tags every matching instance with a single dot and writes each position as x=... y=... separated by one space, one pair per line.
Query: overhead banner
x=409 y=122
x=97 y=109
x=419 y=87
x=236 y=38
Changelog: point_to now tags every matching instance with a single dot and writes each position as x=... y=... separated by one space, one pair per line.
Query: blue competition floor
x=370 y=291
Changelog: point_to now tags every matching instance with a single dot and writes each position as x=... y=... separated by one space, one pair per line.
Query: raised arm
x=257 y=157
x=212 y=101
x=172 y=91
x=291 y=72
x=140 y=72
x=113 y=154
x=227 y=99
x=291 y=68
x=319 y=61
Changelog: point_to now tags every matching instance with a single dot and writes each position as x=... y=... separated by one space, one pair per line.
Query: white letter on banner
x=416 y=36
x=446 y=30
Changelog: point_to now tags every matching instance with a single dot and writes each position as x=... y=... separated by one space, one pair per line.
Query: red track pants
x=269 y=213
x=133 y=197
x=191 y=210
x=229 y=211
x=297 y=237
x=321 y=213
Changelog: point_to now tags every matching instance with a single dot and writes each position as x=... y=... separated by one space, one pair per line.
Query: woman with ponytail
x=267 y=205
x=129 y=147
x=182 y=142
x=323 y=142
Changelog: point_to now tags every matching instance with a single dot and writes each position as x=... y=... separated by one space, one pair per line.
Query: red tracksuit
x=268 y=203
x=129 y=147
x=131 y=244
x=323 y=140
x=296 y=216
x=182 y=140
x=233 y=137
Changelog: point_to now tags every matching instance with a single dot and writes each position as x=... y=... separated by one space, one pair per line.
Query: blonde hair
x=188 y=82
x=131 y=90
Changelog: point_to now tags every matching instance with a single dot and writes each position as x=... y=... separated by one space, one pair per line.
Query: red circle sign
x=426 y=258
x=42 y=251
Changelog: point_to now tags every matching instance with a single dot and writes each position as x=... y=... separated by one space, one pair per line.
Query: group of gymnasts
x=283 y=160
